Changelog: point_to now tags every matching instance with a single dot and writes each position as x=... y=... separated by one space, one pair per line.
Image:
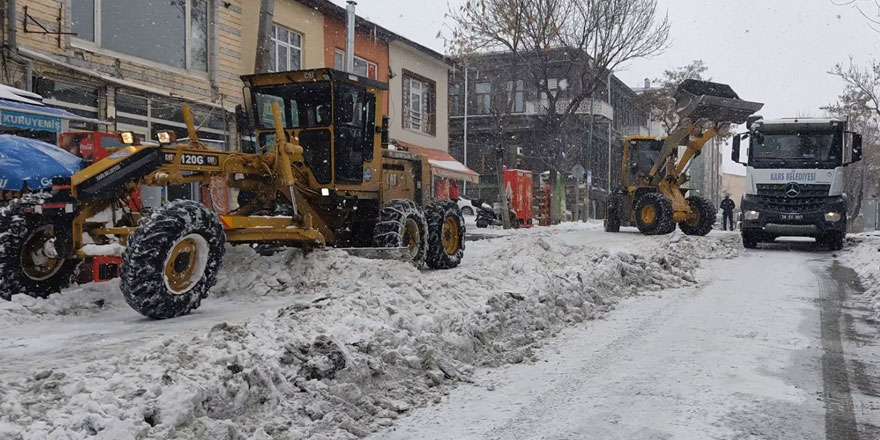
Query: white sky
x=772 y=51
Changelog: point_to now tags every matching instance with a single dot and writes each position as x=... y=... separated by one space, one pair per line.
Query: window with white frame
x=362 y=67
x=419 y=103
x=285 y=50
x=172 y=33
x=147 y=116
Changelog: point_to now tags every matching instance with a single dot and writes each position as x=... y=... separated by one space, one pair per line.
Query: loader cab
x=640 y=155
x=331 y=114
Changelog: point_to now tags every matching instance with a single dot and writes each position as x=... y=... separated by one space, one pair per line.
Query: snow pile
x=862 y=256
x=374 y=339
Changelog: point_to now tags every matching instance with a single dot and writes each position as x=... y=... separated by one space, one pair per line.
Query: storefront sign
x=27 y=121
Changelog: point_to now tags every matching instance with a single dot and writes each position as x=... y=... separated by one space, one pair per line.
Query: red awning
x=442 y=164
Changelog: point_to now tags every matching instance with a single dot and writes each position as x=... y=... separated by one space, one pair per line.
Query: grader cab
x=320 y=176
x=650 y=194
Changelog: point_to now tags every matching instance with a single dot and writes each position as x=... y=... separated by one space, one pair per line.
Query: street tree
x=578 y=41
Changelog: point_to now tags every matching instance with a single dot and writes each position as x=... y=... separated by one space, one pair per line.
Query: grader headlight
x=127 y=137
x=166 y=137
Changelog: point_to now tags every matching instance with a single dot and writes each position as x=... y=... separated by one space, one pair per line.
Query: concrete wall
x=405 y=57
x=735 y=185
x=291 y=15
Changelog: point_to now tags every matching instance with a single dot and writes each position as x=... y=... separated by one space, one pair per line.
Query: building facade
x=593 y=137
x=130 y=63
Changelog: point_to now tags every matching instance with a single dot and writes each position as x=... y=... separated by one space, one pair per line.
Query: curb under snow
x=379 y=339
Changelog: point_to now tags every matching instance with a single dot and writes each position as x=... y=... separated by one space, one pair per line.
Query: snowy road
x=774 y=345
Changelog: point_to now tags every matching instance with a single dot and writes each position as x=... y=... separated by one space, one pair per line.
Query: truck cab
x=795 y=179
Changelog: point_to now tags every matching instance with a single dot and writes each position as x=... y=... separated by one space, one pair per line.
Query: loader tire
x=172 y=260
x=402 y=224
x=23 y=268
x=705 y=217
x=750 y=240
x=446 y=233
x=612 y=216
x=654 y=214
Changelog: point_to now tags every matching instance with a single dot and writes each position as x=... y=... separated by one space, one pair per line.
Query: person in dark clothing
x=727 y=207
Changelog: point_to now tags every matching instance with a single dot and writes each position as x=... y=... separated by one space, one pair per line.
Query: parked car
x=467 y=207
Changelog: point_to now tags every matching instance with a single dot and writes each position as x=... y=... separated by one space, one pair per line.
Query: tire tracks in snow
x=840 y=420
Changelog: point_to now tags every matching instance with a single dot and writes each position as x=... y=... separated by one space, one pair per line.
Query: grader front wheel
x=172 y=260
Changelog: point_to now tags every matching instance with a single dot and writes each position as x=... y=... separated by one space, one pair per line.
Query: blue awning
x=37 y=117
x=34 y=163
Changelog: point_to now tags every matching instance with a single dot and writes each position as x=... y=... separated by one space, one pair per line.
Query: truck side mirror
x=734 y=154
x=856 y=148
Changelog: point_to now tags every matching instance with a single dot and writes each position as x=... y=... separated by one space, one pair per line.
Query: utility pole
x=465 y=119
x=587 y=164
x=609 y=131
x=264 y=36
x=499 y=168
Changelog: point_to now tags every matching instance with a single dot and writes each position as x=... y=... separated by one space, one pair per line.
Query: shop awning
x=33 y=163
x=37 y=117
x=442 y=164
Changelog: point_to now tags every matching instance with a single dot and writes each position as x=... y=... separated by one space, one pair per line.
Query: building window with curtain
x=419 y=103
x=170 y=33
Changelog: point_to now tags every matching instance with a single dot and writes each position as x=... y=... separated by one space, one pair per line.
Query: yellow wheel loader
x=649 y=194
x=322 y=175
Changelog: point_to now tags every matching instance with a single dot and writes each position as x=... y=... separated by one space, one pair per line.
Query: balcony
x=539 y=107
x=600 y=108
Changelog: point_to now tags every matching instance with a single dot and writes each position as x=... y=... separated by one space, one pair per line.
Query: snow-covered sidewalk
x=324 y=345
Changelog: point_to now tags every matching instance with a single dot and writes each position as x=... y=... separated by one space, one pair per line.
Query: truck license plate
x=792 y=216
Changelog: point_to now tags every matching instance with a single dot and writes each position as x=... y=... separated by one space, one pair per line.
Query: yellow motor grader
x=322 y=175
x=649 y=194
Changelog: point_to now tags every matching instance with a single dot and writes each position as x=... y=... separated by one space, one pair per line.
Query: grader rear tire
x=172 y=260
x=24 y=266
x=654 y=214
x=446 y=233
x=702 y=223
x=402 y=224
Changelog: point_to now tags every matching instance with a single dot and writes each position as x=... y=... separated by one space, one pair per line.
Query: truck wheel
x=402 y=224
x=446 y=232
x=612 y=216
x=654 y=214
x=704 y=217
x=834 y=240
x=28 y=262
x=750 y=240
x=172 y=260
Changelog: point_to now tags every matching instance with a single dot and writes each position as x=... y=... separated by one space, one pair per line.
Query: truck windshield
x=302 y=105
x=796 y=148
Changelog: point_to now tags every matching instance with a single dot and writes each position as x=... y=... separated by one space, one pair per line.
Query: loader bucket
x=716 y=102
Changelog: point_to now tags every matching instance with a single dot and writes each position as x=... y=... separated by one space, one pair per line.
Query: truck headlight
x=832 y=216
x=751 y=215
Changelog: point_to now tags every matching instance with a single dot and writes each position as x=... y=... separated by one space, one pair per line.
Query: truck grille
x=811 y=197
x=778 y=190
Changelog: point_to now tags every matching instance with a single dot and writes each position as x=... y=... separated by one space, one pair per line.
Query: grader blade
x=716 y=102
x=376 y=253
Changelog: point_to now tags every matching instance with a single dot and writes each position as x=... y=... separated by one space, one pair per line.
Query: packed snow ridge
x=862 y=257
x=369 y=341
